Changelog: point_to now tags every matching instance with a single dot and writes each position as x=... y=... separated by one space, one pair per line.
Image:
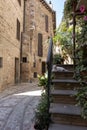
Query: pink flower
x=85 y=18
x=82 y=8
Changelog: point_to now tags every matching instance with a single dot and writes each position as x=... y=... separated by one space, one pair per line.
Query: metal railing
x=49 y=69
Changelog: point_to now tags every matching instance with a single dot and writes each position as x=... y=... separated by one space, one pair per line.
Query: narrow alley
x=18 y=105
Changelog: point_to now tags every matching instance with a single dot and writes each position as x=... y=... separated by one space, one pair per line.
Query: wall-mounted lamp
x=51 y=5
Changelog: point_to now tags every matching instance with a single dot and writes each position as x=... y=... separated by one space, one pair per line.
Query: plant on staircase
x=58 y=59
x=42 y=80
x=82 y=99
x=68 y=8
x=63 y=38
x=82 y=69
x=42 y=115
x=81 y=76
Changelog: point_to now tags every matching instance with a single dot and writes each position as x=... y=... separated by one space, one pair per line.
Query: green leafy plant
x=63 y=39
x=43 y=80
x=81 y=76
x=42 y=115
x=82 y=99
x=68 y=7
x=58 y=59
x=81 y=40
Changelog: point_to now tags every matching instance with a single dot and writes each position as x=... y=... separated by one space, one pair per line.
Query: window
x=35 y=74
x=43 y=67
x=34 y=64
x=19 y=1
x=24 y=59
x=40 y=46
x=18 y=29
x=46 y=23
x=30 y=45
x=1 y=62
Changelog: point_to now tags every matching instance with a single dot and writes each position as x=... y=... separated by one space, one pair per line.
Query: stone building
x=39 y=25
x=11 y=26
x=25 y=26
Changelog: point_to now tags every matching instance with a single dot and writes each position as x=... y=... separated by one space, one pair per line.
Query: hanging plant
x=68 y=7
x=82 y=8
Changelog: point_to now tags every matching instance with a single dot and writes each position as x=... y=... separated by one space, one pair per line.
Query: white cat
x=57 y=68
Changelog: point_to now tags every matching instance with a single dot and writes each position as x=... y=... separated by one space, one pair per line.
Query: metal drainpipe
x=21 y=56
x=24 y=16
x=22 y=42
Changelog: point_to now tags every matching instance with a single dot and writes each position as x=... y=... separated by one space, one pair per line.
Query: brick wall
x=10 y=11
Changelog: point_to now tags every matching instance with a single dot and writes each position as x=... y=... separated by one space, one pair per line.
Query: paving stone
x=17 y=108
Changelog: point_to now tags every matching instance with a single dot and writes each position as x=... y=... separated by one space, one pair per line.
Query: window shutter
x=40 y=46
x=43 y=67
x=46 y=23
x=1 y=62
x=18 y=29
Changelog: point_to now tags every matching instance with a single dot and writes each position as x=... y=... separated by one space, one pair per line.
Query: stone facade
x=38 y=27
x=23 y=39
x=11 y=17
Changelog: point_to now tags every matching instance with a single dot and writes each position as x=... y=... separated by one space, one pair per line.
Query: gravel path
x=17 y=106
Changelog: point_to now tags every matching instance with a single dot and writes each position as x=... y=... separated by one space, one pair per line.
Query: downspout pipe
x=22 y=41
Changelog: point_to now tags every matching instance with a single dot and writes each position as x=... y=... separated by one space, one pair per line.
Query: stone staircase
x=65 y=114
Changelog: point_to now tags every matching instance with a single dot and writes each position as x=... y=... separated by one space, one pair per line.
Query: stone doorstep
x=65 y=127
x=63 y=96
x=63 y=74
x=64 y=92
x=60 y=84
x=71 y=73
x=65 y=81
x=65 y=109
x=66 y=114
x=67 y=66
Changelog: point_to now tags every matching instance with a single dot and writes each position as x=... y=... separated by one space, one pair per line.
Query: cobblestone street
x=17 y=106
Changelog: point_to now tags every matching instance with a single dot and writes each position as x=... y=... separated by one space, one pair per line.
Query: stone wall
x=10 y=11
x=35 y=12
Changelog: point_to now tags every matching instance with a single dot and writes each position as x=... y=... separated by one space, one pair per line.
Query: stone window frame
x=1 y=62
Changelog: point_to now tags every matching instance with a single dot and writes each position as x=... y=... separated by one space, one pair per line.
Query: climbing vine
x=68 y=8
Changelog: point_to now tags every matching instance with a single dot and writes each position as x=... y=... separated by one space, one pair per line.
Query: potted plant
x=42 y=115
x=42 y=81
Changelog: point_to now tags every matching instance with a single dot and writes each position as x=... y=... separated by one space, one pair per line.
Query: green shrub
x=43 y=80
x=58 y=59
x=82 y=99
x=42 y=115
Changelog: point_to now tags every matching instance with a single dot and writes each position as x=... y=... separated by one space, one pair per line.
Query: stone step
x=67 y=66
x=65 y=127
x=63 y=74
x=65 y=84
x=66 y=114
x=64 y=96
